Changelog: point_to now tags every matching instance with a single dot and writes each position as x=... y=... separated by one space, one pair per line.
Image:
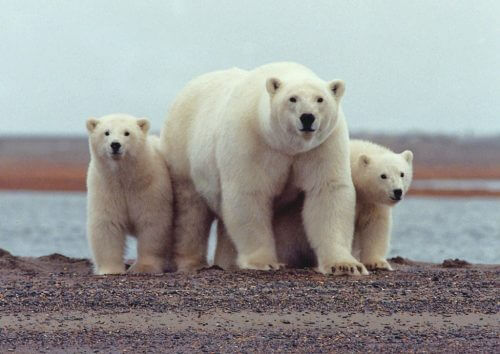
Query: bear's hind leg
x=225 y=252
x=247 y=217
x=192 y=221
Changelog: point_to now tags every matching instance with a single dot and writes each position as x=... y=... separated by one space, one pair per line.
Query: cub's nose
x=307 y=120
x=115 y=146
x=397 y=193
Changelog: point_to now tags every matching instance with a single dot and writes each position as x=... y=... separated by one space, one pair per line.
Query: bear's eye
x=320 y=99
x=383 y=176
x=106 y=133
x=402 y=174
x=127 y=133
x=293 y=99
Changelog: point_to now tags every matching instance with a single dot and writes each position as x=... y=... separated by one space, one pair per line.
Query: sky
x=427 y=66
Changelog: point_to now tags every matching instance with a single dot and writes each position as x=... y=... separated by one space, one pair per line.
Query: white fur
x=128 y=193
x=234 y=148
x=375 y=198
x=373 y=212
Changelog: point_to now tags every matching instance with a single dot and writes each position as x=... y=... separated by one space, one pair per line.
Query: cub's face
x=384 y=179
x=305 y=113
x=117 y=136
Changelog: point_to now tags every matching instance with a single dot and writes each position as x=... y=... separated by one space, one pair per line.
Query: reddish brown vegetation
x=456 y=172
x=44 y=177
x=60 y=163
x=28 y=175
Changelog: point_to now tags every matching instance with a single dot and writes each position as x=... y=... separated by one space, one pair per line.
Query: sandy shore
x=54 y=304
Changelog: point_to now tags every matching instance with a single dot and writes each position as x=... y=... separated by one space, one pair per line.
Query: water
x=425 y=229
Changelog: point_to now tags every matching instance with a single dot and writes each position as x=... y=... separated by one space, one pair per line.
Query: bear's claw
x=344 y=268
x=256 y=266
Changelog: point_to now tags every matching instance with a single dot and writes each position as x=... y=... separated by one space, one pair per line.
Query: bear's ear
x=272 y=85
x=91 y=124
x=144 y=124
x=408 y=156
x=364 y=160
x=337 y=87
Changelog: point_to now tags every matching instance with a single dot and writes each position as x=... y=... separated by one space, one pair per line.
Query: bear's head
x=384 y=178
x=304 y=111
x=117 y=136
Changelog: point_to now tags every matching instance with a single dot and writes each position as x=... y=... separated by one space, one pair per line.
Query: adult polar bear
x=238 y=142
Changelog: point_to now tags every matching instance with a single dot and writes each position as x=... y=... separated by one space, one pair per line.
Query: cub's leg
x=373 y=240
x=152 y=247
x=192 y=220
x=107 y=242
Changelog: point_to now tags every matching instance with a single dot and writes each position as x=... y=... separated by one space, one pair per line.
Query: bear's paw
x=259 y=263
x=379 y=264
x=142 y=268
x=351 y=267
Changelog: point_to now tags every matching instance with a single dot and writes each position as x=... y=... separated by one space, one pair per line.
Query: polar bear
x=129 y=192
x=238 y=142
x=381 y=178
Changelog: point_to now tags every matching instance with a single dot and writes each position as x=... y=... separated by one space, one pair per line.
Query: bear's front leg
x=374 y=239
x=107 y=242
x=247 y=217
x=328 y=217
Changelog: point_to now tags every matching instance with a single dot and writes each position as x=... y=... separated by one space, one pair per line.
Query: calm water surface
x=425 y=229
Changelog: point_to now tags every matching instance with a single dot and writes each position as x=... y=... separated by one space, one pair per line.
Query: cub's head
x=117 y=136
x=304 y=111
x=384 y=178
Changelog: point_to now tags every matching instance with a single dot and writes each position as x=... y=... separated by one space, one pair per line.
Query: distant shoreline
x=68 y=177
x=57 y=163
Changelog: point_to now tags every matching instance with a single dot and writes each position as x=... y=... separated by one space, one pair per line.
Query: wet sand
x=54 y=304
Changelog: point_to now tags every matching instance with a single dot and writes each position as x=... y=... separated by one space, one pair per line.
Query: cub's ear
x=364 y=160
x=408 y=156
x=337 y=87
x=91 y=124
x=272 y=85
x=144 y=124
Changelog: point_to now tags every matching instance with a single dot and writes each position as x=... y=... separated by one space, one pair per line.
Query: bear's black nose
x=307 y=120
x=397 y=193
x=116 y=146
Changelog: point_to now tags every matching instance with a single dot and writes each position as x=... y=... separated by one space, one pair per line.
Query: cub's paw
x=110 y=270
x=261 y=263
x=262 y=266
x=189 y=265
x=351 y=267
x=379 y=264
x=142 y=268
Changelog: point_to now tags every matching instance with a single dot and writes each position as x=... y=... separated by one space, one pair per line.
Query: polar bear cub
x=129 y=192
x=238 y=142
x=381 y=178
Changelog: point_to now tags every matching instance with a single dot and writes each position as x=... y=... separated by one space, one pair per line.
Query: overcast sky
x=431 y=66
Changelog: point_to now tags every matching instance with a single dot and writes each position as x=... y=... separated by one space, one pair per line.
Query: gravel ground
x=54 y=304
